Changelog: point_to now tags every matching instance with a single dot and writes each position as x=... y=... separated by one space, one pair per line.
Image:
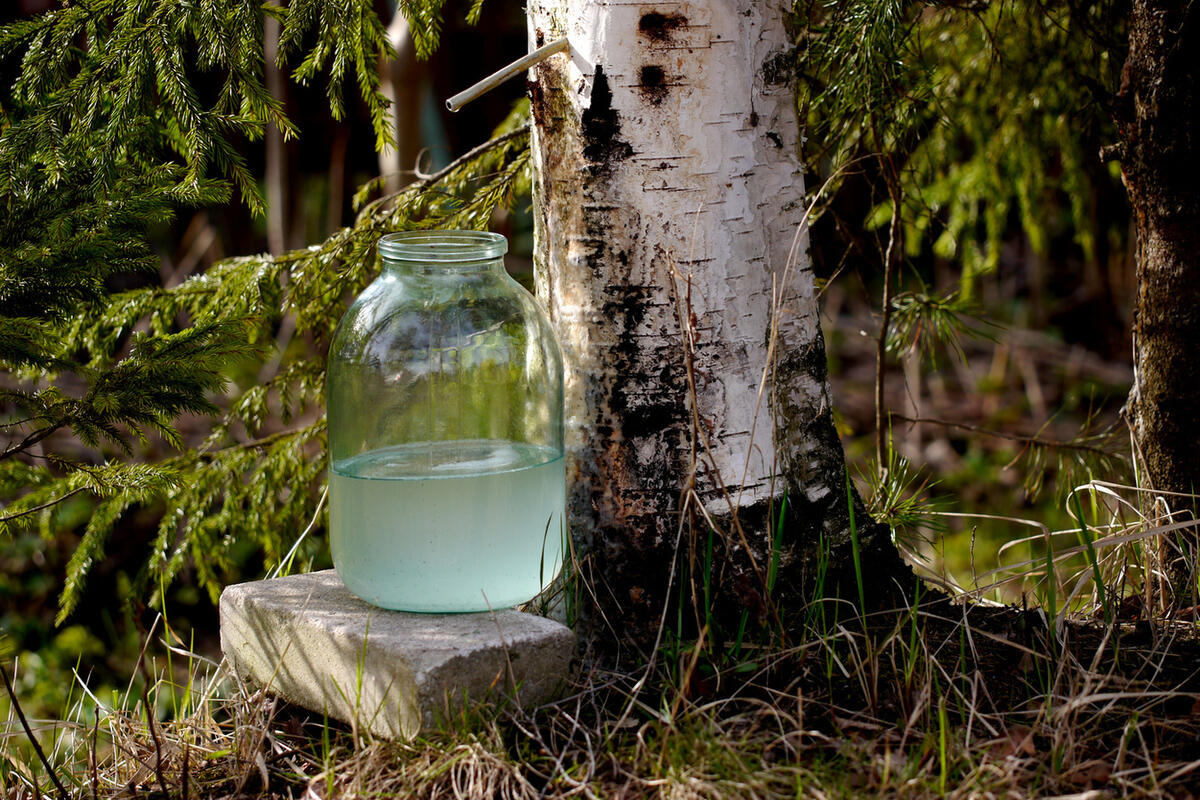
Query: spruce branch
x=43 y=506
x=34 y=438
x=110 y=138
x=467 y=158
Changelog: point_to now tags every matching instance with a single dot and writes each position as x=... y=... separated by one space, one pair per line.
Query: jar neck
x=400 y=267
x=458 y=253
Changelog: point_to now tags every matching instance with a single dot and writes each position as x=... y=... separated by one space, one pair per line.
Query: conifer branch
x=472 y=155
x=49 y=504
x=33 y=438
x=110 y=137
x=265 y=441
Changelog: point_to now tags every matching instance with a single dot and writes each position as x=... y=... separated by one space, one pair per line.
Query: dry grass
x=926 y=702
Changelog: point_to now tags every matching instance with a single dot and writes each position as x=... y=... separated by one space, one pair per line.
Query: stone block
x=307 y=638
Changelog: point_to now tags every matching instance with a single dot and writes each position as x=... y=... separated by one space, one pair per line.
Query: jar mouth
x=443 y=247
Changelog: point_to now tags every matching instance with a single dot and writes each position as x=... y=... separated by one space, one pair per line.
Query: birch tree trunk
x=669 y=202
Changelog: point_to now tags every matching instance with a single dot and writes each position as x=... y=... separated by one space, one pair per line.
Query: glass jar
x=445 y=409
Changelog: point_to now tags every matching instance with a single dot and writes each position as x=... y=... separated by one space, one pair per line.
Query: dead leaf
x=1192 y=612
x=1018 y=742
x=1089 y=773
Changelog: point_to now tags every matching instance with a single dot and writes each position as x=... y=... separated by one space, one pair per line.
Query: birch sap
x=449 y=525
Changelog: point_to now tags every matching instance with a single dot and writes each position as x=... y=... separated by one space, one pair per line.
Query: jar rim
x=443 y=247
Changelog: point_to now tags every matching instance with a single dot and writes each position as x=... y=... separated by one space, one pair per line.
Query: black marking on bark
x=775 y=140
x=646 y=403
x=812 y=459
x=653 y=83
x=780 y=68
x=603 y=145
x=659 y=27
x=651 y=417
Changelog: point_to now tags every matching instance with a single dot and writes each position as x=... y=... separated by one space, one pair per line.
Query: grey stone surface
x=307 y=638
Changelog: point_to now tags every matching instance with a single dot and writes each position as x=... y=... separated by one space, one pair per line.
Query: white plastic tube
x=500 y=76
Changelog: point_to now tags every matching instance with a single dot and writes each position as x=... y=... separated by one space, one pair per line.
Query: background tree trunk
x=1159 y=118
x=400 y=83
x=668 y=201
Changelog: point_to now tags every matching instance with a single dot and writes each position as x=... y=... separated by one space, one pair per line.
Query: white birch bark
x=665 y=144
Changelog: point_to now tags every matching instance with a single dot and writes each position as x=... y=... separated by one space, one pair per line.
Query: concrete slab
x=309 y=639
